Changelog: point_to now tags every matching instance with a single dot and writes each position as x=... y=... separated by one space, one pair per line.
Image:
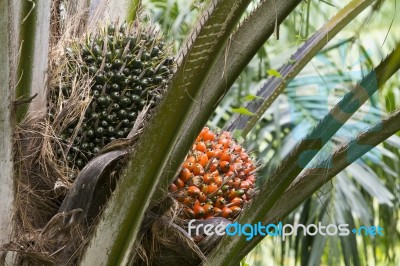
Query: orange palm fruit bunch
x=216 y=179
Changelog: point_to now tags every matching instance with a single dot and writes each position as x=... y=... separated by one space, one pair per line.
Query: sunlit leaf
x=251 y=97
x=242 y=111
x=274 y=73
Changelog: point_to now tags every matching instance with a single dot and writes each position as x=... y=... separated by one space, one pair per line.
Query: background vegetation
x=368 y=191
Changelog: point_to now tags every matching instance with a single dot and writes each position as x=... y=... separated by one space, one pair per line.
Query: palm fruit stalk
x=129 y=67
x=216 y=179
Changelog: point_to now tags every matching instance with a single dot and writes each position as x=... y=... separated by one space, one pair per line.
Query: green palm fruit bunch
x=129 y=67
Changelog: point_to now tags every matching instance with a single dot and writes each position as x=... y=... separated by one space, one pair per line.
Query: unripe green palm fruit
x=130 y=67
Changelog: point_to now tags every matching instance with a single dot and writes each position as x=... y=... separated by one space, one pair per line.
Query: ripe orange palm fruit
x=216 y=179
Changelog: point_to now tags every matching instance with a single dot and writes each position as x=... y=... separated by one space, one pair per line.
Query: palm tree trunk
x=6 y=161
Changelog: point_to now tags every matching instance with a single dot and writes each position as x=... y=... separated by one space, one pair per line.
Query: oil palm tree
x=211 y=59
